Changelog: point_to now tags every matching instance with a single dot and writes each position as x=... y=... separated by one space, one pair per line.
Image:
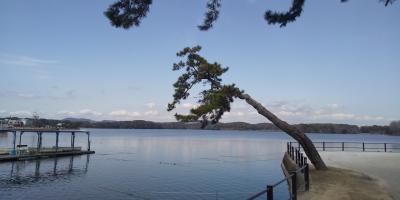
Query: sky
x=338 y=63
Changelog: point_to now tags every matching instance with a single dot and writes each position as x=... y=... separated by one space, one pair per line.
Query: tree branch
x=211 y=15
x=295 y=133
x=284 y=18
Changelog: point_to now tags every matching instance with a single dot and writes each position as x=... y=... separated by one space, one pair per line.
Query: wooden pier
x=23 y=152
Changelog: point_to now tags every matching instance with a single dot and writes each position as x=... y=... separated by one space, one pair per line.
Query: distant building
x=3 y=123
x=15 y=123
x=27 y=122
x=60 y=125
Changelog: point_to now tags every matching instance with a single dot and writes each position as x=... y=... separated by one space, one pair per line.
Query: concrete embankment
x=356 y=175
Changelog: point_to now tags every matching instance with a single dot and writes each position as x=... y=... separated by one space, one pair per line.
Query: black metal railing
x=301 y=161
x=354 y=146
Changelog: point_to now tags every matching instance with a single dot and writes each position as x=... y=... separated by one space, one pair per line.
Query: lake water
x=157 y=164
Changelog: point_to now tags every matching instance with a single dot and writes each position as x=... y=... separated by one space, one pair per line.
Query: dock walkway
x=8 y=158
x=22 y=152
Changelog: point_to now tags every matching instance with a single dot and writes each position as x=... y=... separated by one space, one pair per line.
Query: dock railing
x=354 y=146
x=301 y=161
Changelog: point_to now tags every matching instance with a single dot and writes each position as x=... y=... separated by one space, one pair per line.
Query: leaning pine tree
x=217 y=98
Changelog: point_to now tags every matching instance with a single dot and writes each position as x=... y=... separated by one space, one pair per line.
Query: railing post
x=306 y=177
x=292 y=153
x=363 y=146
x=297 y=156
x=385 y=146
x=301 y=159
x=270 y=192
x=323 y=146
x=294 y=186
x=41 y=140
x=57 y=136
x=88 y=141
x=38 y=140
x=342 y=146
x=288 y=148
x=73 y=140
x=14 y=142
x=20 y=137
x=39 y=143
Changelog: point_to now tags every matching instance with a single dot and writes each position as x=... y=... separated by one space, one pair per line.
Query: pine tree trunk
x=295 y=133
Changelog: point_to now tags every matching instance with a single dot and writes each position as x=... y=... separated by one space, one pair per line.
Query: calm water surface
x=157 y=164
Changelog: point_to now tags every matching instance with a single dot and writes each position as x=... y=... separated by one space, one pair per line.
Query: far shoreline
x=321 y=128
x=238 y=130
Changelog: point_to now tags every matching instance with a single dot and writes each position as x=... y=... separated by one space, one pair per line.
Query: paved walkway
x=343 y=184
x=380 y=165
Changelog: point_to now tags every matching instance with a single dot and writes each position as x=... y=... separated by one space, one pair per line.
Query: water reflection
x=3 y=135
x=44 y=171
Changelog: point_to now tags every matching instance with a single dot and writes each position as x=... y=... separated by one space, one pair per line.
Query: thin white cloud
x=151 y=113
x=65 y=112
x=124 y=113
x=150 y=105
x=251 y=1
x=295 y=112
x=31 y=95
x=21 y=113
x=235 y=114
x=329 y=113
x=25 y=60
x=290 y=112
x=81 y=113
x=342 y=116
x=189 y=105
x=28 y=96
x=371 y=118
x=348 y=118
x=89 y=112
x=333 y=106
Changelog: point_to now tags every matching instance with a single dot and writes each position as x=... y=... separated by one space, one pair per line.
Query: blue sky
x=338 y=63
